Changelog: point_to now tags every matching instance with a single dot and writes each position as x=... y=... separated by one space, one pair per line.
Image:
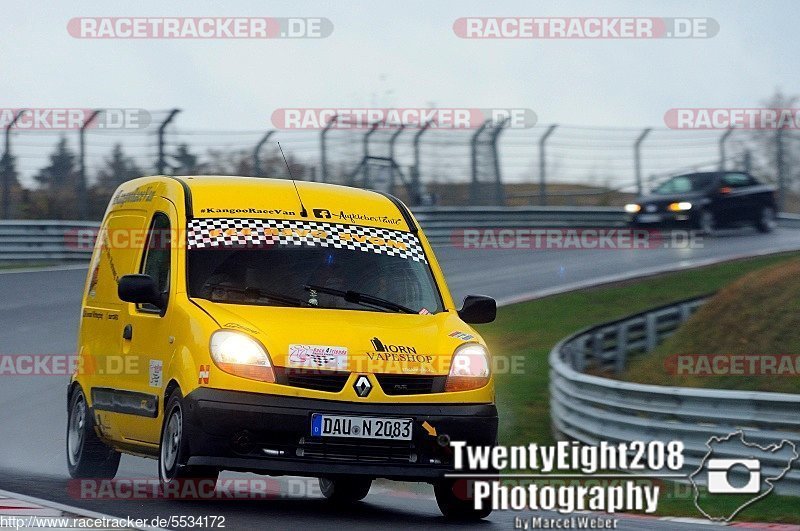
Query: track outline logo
x=704 y=463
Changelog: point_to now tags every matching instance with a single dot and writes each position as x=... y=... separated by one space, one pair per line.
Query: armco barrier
x=65 y=241
x=591 y=408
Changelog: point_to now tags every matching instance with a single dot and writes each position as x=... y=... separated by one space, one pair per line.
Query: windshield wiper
x=356 y=297
x=260 y=293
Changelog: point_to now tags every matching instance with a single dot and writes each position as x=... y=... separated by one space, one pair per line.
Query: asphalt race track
x=39 y=315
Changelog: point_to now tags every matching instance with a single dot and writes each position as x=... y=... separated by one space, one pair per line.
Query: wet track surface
x=39 y=315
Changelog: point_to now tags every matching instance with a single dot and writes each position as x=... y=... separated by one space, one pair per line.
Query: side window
x=736 y=180
x=157 y=255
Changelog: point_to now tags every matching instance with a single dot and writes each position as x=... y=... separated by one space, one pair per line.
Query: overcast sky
x=393 y=53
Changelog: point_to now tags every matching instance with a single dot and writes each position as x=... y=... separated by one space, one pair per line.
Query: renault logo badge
x=362 y=386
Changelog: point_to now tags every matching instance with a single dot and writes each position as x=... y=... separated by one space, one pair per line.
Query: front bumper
x=235 y=430
x=663 y=219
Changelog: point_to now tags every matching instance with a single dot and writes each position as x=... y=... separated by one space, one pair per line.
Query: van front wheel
x=174 y=448
x=87 y=455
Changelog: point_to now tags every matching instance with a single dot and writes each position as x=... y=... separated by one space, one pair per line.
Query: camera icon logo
x=719 y=476
x=733 y=466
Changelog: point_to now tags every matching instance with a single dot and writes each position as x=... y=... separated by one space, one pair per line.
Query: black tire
x=767 y=220
x=87 y=455
x=455 y=504
x=346 y=489
x=173 y=453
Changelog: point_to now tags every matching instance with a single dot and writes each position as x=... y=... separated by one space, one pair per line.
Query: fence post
x=257 y=154
x=499 y=192
x=637 y=159
x=323 y=162
x=392 y=141
x=82 y=202
x=416 y=189
x=543 y=165
x=474 y=152
x=7 y=167
x=722 y=141
x=161 y=165
x=781 y=167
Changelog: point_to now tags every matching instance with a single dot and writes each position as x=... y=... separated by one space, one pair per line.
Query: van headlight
x=469 y=368
x=632 y=208
x=241 y=355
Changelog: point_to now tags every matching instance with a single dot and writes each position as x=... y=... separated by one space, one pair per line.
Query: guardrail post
x=579 y=355
x=651 y=331
x=686 y=312
x=543 y=165
x=637 y=159
x=82 y=201
x=257 y=154
x=161 y=164
x=323 y=149
x=597 y=348
x=622 y=348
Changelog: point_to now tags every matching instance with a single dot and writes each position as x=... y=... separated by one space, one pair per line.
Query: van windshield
x=322 y=266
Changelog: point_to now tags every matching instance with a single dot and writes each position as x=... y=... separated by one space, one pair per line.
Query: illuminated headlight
x=632 y=208
x=469 y=368
x=241 y=355
x=678 y=207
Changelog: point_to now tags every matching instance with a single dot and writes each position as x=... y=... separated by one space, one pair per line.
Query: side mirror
x=478 y=309
x=140 y=289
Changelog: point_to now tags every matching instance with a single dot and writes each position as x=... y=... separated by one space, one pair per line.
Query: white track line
x=65 y=508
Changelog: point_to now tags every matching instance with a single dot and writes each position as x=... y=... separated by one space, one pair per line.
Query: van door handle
x=127 y=332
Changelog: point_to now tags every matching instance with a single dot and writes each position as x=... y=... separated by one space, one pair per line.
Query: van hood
x=348 y=340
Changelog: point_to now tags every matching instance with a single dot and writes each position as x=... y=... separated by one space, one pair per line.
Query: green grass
x=529 y=330
x=759 y=314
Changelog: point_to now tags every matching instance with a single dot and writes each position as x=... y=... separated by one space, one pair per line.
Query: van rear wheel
x=345 y=490
x=173 y=451
x=87 y=455
x=455 y=502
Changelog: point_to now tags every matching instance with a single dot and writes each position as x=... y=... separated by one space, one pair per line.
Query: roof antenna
x=303 y=211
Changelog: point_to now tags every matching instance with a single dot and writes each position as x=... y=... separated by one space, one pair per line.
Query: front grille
x=330 y=381
x=410 y=384
x=362 y=451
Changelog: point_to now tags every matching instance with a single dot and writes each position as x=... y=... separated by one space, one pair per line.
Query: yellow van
x=280 y=327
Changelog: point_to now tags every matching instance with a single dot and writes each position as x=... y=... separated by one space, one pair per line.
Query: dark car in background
x=706 y=201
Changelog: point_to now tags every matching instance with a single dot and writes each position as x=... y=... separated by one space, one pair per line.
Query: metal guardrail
x=440 y=223
x=66 y=241
x=24 y=241
x=590 y=408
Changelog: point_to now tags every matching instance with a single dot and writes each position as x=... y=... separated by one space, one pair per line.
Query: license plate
x=360 y=427
x=649 y=218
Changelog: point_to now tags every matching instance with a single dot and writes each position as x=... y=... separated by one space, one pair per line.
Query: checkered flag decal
x=209 y=233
